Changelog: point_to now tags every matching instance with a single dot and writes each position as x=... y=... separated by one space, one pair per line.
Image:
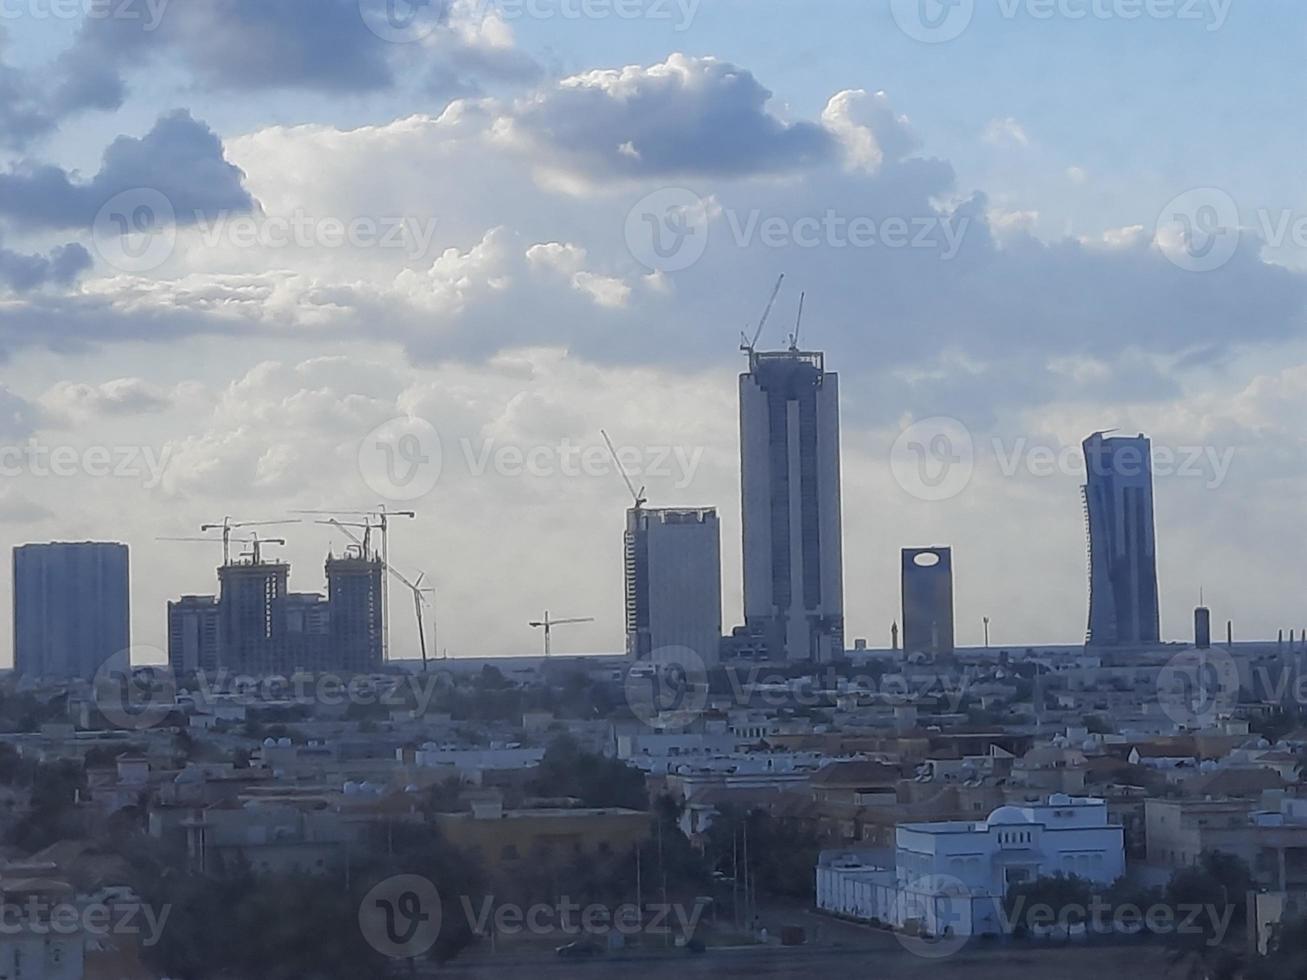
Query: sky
x=259 y=256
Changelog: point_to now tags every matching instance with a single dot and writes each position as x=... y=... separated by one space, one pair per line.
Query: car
x=577 y=950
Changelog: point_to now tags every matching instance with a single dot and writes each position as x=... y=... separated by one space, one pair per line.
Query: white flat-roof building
x=968 y=866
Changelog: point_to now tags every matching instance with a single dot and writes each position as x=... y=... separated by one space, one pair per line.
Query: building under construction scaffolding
x=257 y=626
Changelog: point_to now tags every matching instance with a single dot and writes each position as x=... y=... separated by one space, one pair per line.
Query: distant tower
x=673 y=581
x=354 y=605
x=1203 y=628
x=894 y=636
x=927 y=585
x=1118 y=501
x=72 y=607
x=252 y=616
x=193 y=634
x=790 y=496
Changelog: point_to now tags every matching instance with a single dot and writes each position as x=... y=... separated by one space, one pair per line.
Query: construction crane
x=381 y=515
x=637 y=495
x=227 y=525
x=747 y=345
x=256 y=542
x=419 y=593
x=798 y=322
x=548 y=625
x=364 y=544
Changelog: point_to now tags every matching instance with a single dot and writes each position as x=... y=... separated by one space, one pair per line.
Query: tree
x=1057 y=898
x=596 y=780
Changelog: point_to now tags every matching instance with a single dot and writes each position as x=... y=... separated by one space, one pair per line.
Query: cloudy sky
x=261 y=255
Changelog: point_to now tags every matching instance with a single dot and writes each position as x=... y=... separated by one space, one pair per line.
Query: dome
x=1005 y=816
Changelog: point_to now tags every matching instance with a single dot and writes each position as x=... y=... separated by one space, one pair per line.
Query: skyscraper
x=790 y=497
x=354 y=612
x=1118 y=502
x=927 y=584
x=72 y=607
x=252 y=616
x=193 y=634
x=673 y=581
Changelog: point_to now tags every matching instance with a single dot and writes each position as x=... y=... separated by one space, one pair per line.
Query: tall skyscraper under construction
x=1118 y=501
x=790 y=505
x=673 y=581
x=354 y=612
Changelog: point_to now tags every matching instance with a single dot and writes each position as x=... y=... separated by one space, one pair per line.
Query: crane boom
x=637 y=495
x=748 y=345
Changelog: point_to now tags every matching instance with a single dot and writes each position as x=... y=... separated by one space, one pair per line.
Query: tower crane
x=256 y=542
x=637 y=495
x=798 y=322
x=419 y=593
x=381 y=515
x=548 y=625
x=747 y=345
x=227 y=525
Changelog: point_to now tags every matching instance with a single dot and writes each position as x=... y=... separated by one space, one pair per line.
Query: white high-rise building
x=790 y=502
x=673 y=581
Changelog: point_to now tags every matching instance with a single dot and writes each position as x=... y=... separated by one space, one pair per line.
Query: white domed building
x=968 y=866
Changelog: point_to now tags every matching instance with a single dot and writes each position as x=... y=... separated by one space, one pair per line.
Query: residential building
x=193 y=634
x=72 y=607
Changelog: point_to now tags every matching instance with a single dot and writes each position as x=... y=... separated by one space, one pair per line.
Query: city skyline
x=524 y=302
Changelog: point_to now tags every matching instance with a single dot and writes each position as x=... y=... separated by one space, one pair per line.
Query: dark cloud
x=22 y=272
x=180 y=157
x=685 y=117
